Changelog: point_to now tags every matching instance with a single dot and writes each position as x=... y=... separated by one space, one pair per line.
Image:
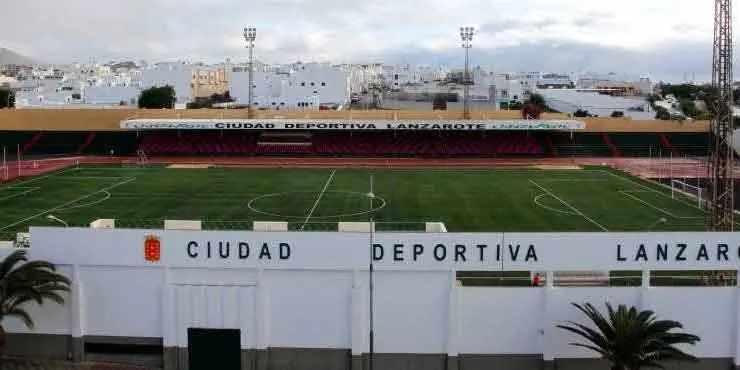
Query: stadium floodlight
x=466 y=35
x=57 y=219
x=250 y=34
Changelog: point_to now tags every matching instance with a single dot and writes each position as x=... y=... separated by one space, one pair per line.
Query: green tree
x=23 y=282
x=537 y=100
x=631 y=339
x=157 y=97
x=439 y=102
x=662 y=113
x=688 y=107
x=7 y=98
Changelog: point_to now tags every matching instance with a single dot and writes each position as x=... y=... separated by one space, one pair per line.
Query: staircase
x=610 y=143
x=89 y=139
x=667 y=144
x=30 y=143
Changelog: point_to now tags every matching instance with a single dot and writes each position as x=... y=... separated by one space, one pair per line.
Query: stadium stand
x=56 y=144
x=581 y=145
x=689 y=144
x=116 y=143
x=637 y=145
x=336 y=143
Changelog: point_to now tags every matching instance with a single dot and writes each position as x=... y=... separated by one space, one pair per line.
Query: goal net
x=684 y=189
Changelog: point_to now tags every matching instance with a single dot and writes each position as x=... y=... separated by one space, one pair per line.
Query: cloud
x=344 y=31
x=671 y=62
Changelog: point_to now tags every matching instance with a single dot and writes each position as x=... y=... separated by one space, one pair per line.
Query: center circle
x=378 y=204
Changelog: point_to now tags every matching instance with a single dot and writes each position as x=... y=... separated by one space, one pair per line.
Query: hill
x=10 y=57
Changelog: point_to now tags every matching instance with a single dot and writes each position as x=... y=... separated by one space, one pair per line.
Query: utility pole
x=466 y=35
x=250 y=34
x=720 y=167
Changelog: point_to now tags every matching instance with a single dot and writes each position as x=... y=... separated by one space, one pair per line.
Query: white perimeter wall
x=416 y=311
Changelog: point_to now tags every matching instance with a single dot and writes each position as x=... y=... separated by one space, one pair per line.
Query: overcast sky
x=588 y=32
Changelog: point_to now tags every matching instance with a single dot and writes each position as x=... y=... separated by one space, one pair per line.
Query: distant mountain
x=10 y=57
x=670 y=61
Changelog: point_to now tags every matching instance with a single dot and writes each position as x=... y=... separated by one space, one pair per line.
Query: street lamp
x=466 y=35
x=250 y=34
x=57 y=219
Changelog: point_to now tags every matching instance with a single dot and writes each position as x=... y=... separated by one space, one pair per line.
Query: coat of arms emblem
x=152 y=248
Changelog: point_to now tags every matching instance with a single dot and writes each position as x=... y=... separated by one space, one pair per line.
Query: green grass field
x=592 y=199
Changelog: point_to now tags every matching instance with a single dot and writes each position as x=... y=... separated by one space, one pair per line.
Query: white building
x=301 y=86
x=271 y=299
x=177 y=75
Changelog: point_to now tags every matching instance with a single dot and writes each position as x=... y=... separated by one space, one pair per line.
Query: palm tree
x=630 y=338
x=23 y=282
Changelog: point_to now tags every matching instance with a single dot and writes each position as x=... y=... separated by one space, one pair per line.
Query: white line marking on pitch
x=574 y=209
x=629 y=194
x=537 y=202
x=88 y=204
x=37 y=178
x=16 y=195
x=318 y=199
x=649 y=189
x=61 y=206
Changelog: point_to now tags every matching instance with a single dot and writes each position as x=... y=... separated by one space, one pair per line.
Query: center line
x=318 y=199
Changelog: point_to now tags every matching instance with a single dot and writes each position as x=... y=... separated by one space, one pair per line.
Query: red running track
x=642 y=167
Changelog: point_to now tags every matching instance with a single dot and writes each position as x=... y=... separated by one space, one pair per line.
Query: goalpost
x=679 y=188
x=142 y=158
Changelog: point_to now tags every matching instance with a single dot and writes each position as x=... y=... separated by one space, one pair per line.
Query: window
x=494 y=278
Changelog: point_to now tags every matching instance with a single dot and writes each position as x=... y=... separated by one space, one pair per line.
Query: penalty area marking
x=629 y=193
x=67 y=204
x=16 y=195
x=574 y=209
x=253 y=208
x=88 y=204
x=537 y=202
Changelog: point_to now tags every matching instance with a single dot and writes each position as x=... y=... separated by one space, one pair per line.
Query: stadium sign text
x=678 y=252
x=456 y=252
x=358 y=125
x=237 y=250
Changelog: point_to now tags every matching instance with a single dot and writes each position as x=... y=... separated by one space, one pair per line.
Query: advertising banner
x=354 y=125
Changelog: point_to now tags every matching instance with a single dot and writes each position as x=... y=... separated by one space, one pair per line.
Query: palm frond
x=24 y=282
x=631 y=338
x=23 y=316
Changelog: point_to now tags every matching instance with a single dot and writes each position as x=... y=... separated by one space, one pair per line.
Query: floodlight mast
x=466 y=35
x=250 y=35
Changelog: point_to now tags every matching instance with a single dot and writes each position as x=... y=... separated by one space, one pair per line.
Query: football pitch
x=466 y=200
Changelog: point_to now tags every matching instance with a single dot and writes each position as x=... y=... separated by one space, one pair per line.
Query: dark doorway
x=214 y=349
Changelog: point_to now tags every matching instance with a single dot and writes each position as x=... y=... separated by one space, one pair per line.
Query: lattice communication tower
x=720 y=176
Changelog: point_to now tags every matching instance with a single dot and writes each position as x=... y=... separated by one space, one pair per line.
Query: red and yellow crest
x=152 y=248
